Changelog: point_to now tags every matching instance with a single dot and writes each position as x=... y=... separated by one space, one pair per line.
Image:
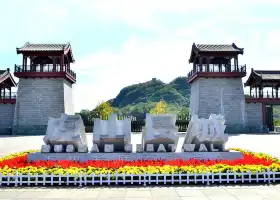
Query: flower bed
x=252 y=167
x=250 y=162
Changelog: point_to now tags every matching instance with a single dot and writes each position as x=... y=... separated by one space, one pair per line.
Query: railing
x=137 y=125
x=265 y=95
x=45 y=68
x=7 y=95
x=217 y=68
x=84 y=179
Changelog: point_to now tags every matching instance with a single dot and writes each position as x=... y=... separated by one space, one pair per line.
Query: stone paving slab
x=239 y=192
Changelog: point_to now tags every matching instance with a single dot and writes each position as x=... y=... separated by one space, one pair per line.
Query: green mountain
x=176 y=92
x=138 y=99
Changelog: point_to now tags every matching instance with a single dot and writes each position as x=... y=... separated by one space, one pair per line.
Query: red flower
x=21 y=161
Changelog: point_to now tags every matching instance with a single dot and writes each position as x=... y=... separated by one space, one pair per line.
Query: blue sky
x=119 y=43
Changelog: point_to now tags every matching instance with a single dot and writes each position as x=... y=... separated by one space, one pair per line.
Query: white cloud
x=273 y=43
x=138 y=61
x=165 y=58
x=101 y=75
x=143 y=13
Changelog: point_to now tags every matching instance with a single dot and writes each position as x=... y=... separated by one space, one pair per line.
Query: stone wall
x=220 y=96
x=194 y=103
x=37 y=100
x=68 y=98
x=6 y=118
x=255 y=117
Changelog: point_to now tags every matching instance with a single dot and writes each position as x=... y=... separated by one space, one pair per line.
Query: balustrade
x=217 y=68
x=48 y=68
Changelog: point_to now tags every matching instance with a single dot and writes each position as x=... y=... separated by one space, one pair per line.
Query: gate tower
x=44 y=88
x=216 y=84
x=7 y=101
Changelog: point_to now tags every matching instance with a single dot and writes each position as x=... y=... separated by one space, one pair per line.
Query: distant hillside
x=175 y=92
x=138 y=99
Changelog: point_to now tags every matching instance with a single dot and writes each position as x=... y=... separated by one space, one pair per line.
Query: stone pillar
x=250 y=91
x=236 y=63
x=23 y=62
x=10 y=92
x=267 y=94
x=53 y=63
x=256 y=91
x=220 y=66
x=200 y=64
x=193 y=66
x=208 y=61
x=31 y=64
x=61 y=62
x=41 y=67
x=276 y=91
x=4 y=94
x=260 y=92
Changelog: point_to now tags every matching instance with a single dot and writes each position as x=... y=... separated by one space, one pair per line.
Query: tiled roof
x=5 y=74
x=268 y=75
x=2 y=72
x=218 y=48
x=43 y=47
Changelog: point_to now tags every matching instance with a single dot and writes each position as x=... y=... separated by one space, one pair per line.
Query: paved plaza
x=261 y=143
x=147 y=193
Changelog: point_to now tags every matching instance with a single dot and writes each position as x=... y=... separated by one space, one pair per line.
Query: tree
x=86 y=116
x=276 y=122
x=184 y=113
x=160 y=108
x=103 y=110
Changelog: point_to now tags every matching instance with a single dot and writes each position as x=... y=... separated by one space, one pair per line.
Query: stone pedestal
x=136 y=156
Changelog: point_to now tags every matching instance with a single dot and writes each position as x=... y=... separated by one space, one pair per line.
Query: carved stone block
x=161 y=148
x=160 y=129
x=68 y=129
x=207 y=132
x=109 y=148
x=139 y=148
x=46 y=149
x=171 y=147
x=150 y=148
x=70 y=148
x=58 y=148
x=112 y=131
x=83 y=148
x=128 y=148
x=202 y=148
x=188 y=147
x=212 y=148
x=94 y=149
